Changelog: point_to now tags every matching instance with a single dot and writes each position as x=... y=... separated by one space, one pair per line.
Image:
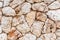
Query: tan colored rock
x=8 y=11
x=54 y=5
x=26 y=8
x=30 y=17
x=40 y=7
x=6 y=23
x=41 y=16
x=17 y=20
x=49 y=26
x=37 y=28
x=14 y=34
x=0 y=16
x=32 y=1
x=28 y=36
x=16 y=3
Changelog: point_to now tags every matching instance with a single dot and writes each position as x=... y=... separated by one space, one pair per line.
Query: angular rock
x=6 y=23
x=41 y=16
x=37 y=28
x=28 y=36
x=54 y=5
x=3 y=36
x=8 y=11
x=26 y=7
x=30 y=17
x=54 y=14
x=40 y=7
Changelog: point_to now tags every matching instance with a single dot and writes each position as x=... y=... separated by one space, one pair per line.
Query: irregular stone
x=17 y=20
x=16 y=3
x=40 y=7
x=48 y=1
x=30 y=17
x=6 y=23
x=49 y=26
x=26 y=7
x=41 y=16
x=54 y=14
x=6 y=2
x=1 y=4
x=37 y=28
x=8 y=11
x=32 y=1
x=54 y=5
x=57 y=32
x=3 y=36
x=28 y=36
x=49 y=36
x=14 y=34
x=58 y=38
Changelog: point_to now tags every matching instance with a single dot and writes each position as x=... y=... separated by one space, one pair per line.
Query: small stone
x=14 y=34
x=39 y=38
x=6 y=2
x=3 y=36
x=28 y=36
x=54 y=14
x=15 y=3
x=57 y=32
x=17 y=20
x=30 y=17
x=37 y=28
x=32 y=1
x=6 y=23
x=26 y=7
x=49 y=26
x=8 y=11
x=1 y=4
x=41 y=16
x=40 y=7
x=48 y=1
x=54 y=5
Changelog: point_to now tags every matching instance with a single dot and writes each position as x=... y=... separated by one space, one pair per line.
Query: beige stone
x=37 y=28
x=40 y=7
x=30 y=17
x=41 y=16
x=28 y=36
x=6 y=23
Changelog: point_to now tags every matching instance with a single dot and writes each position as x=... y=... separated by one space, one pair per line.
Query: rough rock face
x=29 y=19
x=54 y=14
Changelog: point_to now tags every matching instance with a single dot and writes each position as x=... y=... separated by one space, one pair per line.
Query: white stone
x=37 y=28
x=48 y=1
x=6 y=2
x=39 y=38
x=8 y=11
x=54 y=14
x=40 y=7
x=54 y=5
x=30 y=17
x=26 y=7
x=28 y=36
x=6 y=23
x=1 y=4
x=3 y=36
